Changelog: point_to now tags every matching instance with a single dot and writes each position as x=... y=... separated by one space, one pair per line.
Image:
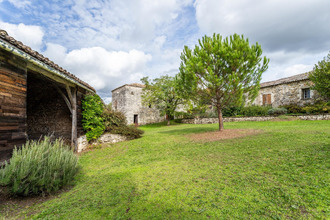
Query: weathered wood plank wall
x=12 y=108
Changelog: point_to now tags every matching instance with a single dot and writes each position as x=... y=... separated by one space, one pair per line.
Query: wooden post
x=74 y=120
x=71 y=101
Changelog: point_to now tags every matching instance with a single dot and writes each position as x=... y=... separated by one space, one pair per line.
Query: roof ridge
x=294 y=78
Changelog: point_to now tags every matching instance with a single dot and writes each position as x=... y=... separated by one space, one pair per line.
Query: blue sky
x=108 y=43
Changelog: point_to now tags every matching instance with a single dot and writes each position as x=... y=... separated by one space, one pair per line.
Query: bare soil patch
x=10 y=205
x=224 y=134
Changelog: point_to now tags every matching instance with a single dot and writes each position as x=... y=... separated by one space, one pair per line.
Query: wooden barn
x=37 y=97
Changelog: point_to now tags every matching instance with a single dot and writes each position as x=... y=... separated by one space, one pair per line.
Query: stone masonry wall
x=104 y=138
x=127 y=100
x=285 y=94
x=215 y=120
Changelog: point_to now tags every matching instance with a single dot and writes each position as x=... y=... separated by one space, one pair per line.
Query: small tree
x=162 y=94
x=219 y=71
x=321 y=77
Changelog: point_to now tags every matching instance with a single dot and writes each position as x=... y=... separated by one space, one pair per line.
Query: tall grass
x=39 y=167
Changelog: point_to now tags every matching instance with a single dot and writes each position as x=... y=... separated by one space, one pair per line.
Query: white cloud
x=277 y=24
x=102 y=69
x=30 y=35
x=20 y=3
x=296 y=69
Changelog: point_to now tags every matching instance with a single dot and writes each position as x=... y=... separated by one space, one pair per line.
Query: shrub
x=39 y=167
x=255 y=110
x=129 y=131
x=231 y=111
x=92 y=116
x=113 y=119
x=277 y=111
x=317 y=108
x=292 y=108
x=115 y=123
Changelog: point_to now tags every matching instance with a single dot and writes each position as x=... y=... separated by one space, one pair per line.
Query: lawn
x=281 y=172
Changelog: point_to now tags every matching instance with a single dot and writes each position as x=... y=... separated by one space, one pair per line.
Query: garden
x=271 y=170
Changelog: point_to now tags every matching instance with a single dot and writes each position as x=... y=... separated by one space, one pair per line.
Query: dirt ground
x=224 y=134
x=10 y=206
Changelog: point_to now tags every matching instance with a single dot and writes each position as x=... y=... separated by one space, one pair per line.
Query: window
x=266 y=99
x=306 y=93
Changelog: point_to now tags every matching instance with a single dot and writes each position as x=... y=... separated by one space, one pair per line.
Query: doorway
x=136 y=120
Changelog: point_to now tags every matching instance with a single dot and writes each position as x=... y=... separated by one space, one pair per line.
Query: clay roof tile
x=4 y=36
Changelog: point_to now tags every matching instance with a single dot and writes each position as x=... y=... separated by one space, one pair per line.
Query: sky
x=109 y=43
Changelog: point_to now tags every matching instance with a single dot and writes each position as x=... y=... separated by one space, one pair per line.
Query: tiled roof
x=132 y=85
x=4 y=36
x=295 y=78
x=137 y=85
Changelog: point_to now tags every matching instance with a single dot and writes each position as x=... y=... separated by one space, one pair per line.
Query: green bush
x=113 y=119
x=319 y=108
x=39 y=167
x=254 y=110
x=292 y=108
x=277 y=111
x=115 y=123
x=129 y=131
x=92 y=116
x=231 y=111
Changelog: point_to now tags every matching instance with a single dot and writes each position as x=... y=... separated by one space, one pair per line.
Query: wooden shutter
x=264 y=99
x=269 y=99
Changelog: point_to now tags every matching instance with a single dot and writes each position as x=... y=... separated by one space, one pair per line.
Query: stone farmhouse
x=127 y=99
x=290 y=90
x=37 y=97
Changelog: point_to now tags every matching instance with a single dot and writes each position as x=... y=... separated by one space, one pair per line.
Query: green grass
x=282 y=173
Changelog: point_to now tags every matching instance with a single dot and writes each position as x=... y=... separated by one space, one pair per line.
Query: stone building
x=37 y=97
x=127 y=99
x=291 y=90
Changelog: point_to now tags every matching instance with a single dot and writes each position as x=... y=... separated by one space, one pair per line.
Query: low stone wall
x=266 y=118
x=104 y=138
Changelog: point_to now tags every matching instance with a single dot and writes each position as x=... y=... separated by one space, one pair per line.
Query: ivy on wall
x=92 y=121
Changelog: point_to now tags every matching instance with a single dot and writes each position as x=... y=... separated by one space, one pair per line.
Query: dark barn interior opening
x=47 y=113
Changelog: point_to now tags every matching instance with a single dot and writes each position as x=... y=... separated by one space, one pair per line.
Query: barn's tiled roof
x=4 y=36
x=295 y=78
x=132 y=85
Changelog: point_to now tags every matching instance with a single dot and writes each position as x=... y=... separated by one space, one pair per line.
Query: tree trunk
x=168 y=120
x=220 y=119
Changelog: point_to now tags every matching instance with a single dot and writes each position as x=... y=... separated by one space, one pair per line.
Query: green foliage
x=115 y=123
x=219 y=71
x=255 y=110
x=39 y=167
x=277 y=111
x=293 y=108
x=239 y=111
x=129 y=131
x=92 y=116
x=162 y=94
x=321 y=77
x=319 y=108
x=113 y=119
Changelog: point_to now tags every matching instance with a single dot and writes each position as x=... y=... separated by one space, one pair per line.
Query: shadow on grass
x=160 y=124
x=183 y=131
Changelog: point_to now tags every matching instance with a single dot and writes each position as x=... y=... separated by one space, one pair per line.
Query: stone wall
x=215 y=120
x=104 y=138
x=285 y=94
x=127 y=99
x=47 y=113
